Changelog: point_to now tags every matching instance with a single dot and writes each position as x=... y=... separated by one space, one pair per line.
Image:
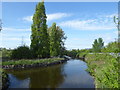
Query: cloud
x=107 y=37
x=85 y=25
x=111 y=15
x=14 y=29
x=99 y=23
x=77 y=43
x=50 y=17
x=27 y=18
x=55 y=16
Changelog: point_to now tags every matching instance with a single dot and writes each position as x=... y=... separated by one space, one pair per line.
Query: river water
x=71 y=74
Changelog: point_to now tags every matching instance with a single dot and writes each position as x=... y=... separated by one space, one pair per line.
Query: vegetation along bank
x=32 y=63
x=104 y=69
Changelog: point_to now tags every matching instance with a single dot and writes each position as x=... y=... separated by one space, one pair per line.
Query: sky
x=82 y=22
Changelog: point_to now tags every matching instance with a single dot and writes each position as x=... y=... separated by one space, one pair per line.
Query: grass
x=104 y=68
x=28 y=62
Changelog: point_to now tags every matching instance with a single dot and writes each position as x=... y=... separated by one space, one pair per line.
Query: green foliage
x=104 y=68
x=98 y=45
x=76 y=53
x=39 y=37
x=22 y=52
x=83 y=52
x=29 y=62
x=56 y=38
x=5 y=53
x=72 y=53
x=112 y=47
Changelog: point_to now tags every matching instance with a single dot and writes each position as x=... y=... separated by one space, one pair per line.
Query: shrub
x=22 y=52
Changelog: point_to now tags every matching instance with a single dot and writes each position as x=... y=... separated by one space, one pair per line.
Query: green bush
x=5 y=53
x=22 y=52
x=112 y=47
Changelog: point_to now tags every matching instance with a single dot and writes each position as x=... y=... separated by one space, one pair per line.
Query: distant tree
x=22 y=52
x=56 y=38
x=39 y=37
x=72 y=53
x=98 y=45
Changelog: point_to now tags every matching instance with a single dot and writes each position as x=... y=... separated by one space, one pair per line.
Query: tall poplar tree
x=39 y=37
x=57 y=37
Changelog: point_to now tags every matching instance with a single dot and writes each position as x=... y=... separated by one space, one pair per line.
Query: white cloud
x=86 y=25
x=55 y=16
x=14 y=29
x=111 y=15
x=28 y=18
x=99 y=23
x=50 y=17
x=77 y=43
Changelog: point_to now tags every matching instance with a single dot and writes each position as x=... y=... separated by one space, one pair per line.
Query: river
x=71 y=74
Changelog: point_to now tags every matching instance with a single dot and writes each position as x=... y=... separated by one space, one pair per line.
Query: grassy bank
x=28 y=62
x=104 y=68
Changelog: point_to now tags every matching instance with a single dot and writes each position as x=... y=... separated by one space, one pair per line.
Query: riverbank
x=4 y=80
x=104 y=69
x=31 y=63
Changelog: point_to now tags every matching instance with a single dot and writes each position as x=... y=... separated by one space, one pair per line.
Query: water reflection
x=68 y=75
x=47 y=77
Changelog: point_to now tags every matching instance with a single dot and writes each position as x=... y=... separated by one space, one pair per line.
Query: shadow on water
x=71 y=74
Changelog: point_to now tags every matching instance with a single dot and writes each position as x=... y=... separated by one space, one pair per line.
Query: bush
x=5 y=53
x=22 y=52
x=112 y=47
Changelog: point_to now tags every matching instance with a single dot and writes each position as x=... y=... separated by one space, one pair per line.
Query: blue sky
x=82 y=22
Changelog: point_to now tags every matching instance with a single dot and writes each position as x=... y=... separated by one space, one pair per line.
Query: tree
x=39 y=37
x=56 y=38
x=98 y=45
